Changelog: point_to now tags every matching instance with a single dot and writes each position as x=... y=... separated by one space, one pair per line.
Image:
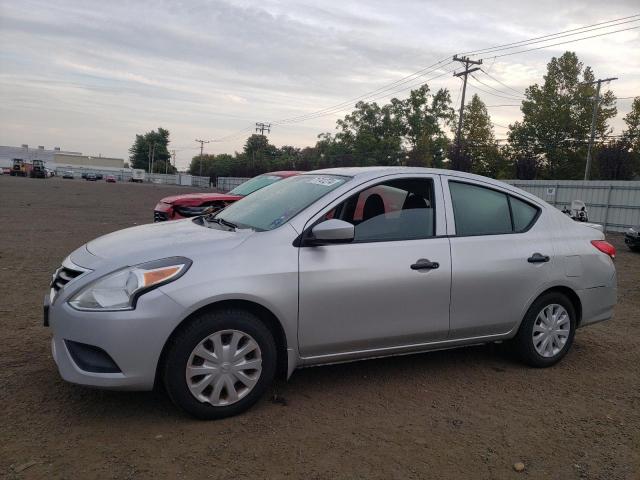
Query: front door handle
x=424 y=264
x=538 y=258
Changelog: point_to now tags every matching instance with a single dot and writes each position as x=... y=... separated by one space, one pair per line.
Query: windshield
x=275 y=205
x=254 y=184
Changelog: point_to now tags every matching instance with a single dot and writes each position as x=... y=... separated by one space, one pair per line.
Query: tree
x=557 y=117
x=632 y=120
x=478 y=140
x=616 y=161
x=153 y=144
x=620 y=160
x=422 y=117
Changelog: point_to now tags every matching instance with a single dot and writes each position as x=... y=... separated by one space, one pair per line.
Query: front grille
x=63 y=276
x=160 y=216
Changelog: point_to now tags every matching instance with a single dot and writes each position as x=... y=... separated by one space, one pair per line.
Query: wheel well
x=572 y=296
x=263 y=313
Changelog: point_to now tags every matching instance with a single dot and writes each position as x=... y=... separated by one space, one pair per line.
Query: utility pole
x=153 y=156
x=596 y=104
x=464 y=73
x=174 y=158
x=261 y=127
x=202 y=142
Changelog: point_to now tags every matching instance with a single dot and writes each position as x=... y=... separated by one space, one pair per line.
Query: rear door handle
x=424 y=264
x=538 y=258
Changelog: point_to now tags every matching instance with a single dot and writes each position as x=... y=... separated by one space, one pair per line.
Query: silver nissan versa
x=329 y=266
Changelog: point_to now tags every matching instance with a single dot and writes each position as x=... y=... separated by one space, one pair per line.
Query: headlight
x=120 y=290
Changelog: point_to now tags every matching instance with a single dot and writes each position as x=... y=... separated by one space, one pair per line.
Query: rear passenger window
x=483 y=211
x=523 y=214
x=478 y=210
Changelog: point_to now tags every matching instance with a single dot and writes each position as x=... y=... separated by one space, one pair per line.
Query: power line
x=492 y=93
x=349 y=103
x=548 y=37
x=312 y=116
x=562 y=43
x=502 y=93
x=439 y=64
x=502 y=83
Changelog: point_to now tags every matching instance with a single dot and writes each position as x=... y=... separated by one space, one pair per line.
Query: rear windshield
x=254 y=184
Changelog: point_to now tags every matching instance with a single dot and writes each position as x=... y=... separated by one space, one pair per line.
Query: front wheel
x=547 y=331
x=220 y=364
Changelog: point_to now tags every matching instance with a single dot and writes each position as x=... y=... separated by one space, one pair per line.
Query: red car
x=194 y=204
x=111 y=179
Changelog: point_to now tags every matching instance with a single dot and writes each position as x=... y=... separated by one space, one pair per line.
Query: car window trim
x=513 y=231
x=300 y=239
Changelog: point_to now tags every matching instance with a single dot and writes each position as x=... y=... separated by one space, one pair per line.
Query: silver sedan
x=329 y=266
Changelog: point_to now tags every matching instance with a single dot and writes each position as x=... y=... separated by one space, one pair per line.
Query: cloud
x=89 y=75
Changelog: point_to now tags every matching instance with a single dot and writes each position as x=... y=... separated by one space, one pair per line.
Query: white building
x=56 y=158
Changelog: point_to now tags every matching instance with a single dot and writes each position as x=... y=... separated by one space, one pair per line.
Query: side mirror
x=332 y=231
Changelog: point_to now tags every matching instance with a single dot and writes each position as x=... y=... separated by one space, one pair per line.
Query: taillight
x=605 y=247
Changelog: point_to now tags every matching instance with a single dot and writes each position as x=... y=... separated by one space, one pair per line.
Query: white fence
x=613 y=203
x=229 y=183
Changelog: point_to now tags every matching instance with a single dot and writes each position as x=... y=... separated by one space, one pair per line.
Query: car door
x=501 y=255
x=377 y=292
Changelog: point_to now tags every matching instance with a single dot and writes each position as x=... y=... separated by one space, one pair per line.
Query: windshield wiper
x=221 y=221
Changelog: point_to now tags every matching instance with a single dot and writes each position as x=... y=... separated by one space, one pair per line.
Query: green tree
x=557 y=118
x=632 y=120
x=153 y=144
x=479 y=142
x=422 y=117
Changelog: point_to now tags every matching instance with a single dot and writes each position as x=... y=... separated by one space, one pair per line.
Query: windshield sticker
x=324 y=181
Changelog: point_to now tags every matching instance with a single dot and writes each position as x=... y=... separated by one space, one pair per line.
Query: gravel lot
x=467 y=413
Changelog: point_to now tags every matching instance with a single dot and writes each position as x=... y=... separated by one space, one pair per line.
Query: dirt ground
x=466 y=413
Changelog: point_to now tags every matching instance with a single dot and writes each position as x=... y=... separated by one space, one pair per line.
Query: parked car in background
x=68 y=174
x=137 y=175
x=92 y=177
x=99 y=176
x=632 y=238
x=111 y=179
x=324 y=267
x=194 y=204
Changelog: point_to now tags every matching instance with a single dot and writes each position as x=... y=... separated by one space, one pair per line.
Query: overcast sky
x=88 y=75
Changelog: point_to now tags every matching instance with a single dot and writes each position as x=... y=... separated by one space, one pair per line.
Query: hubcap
x=224 y=367
x=551 y=330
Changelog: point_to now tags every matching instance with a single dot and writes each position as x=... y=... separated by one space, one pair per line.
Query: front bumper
x=133 y=339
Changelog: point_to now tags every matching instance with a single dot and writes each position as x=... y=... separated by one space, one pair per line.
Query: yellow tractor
x=19 y=168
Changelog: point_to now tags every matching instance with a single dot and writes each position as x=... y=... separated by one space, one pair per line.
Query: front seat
x=373 y=207
x=414 y=201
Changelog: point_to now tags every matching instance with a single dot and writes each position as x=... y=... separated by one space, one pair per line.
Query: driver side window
x=400 y=209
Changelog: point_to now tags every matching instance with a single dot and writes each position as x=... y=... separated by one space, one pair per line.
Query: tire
x=223 y=327
x=634 y=248
x=525 y=343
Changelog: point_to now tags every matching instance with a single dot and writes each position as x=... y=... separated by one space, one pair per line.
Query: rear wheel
x=220 y=364
x=547 y=331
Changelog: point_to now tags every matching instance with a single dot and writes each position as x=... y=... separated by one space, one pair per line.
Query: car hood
x=194 y=199
x=155 y=241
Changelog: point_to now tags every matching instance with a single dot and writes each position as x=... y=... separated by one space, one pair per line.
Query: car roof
x=370 y=173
